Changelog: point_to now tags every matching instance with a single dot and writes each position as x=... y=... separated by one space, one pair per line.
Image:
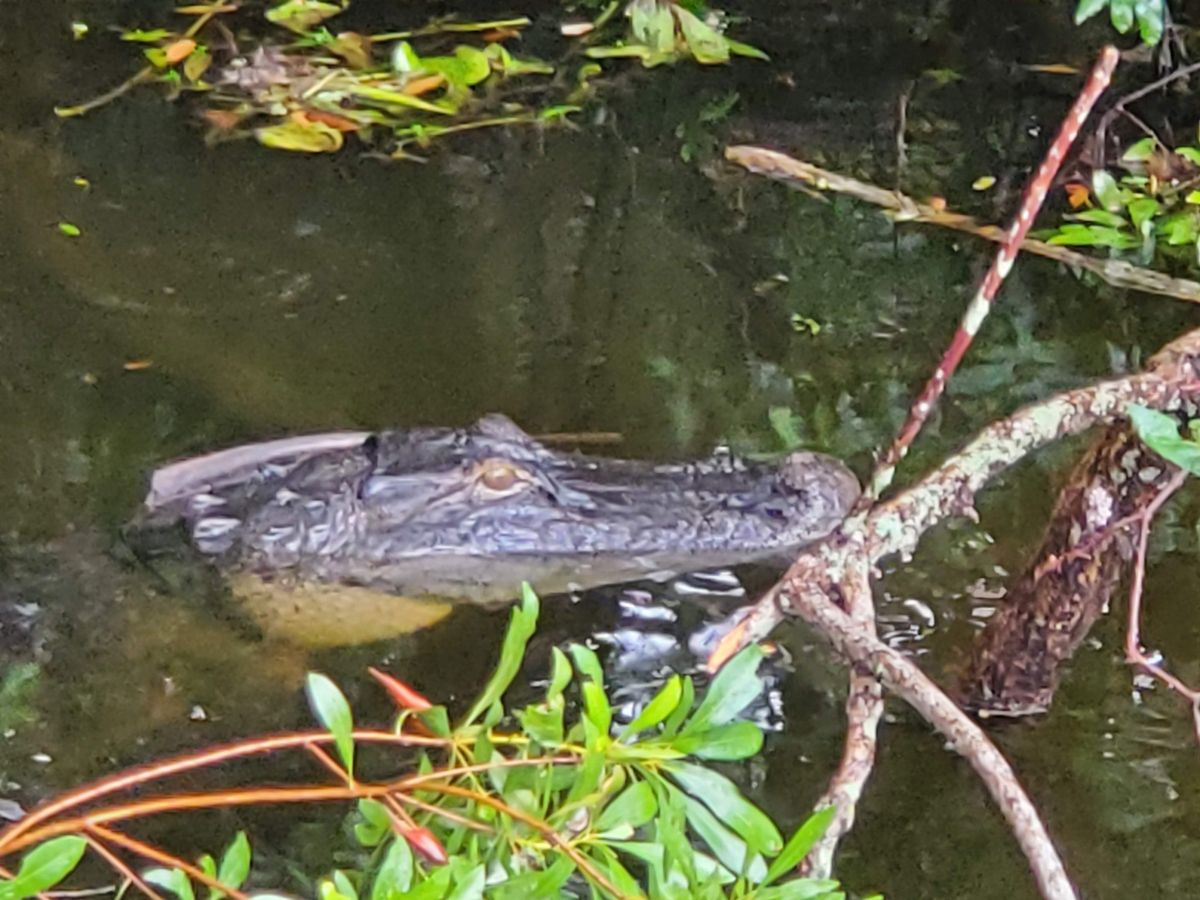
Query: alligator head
x=471 y=513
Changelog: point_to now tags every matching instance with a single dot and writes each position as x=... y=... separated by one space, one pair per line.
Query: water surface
x=577 y=281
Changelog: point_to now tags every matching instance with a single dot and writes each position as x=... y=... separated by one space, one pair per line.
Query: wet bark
x=1018 y=659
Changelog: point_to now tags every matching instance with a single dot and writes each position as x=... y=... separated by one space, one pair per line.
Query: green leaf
x=395 y=874
x=235 y=864
x=437 y=720
x=587 y=777
x=469 y=885
x=1121 y=13
x=1140 y=151
x=208 y=866
x=785 y=424
x=587 y=663
x=634 y=806
x=559 y=111
x=1088 y=8
x=545 y=883
x=735 y=740
x=739 y=49
x=375 y=824
x=45 y=866
x=1160 y=432
x=142 y=36
x=1073 y=235
x=1094 y=236
x=1179 y=228
x=1101 y=217
x=467 y=67
x=1151 y=17
x=1142 y=210
x=734 y=688
x=626 y=884
x=800 y=843
x=730 y=850
x=69 y=230
x=299 y=136
x=662 y=705
x=173 y=880
x=675 y=720
x=560 y=674
x=544 y=722
x=511 y=66
x=385 y=97
x=804 y=889
x=1106 y=190
x=724 y=798
x=432 y=888
x=706 y=44
x=329 y=706
x=1191 y=154
x=301 y=16
x=640 y=51
x=652 y=24
x=520 y=628
x=596 y=708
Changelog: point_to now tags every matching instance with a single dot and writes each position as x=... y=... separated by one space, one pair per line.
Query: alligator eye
x=499 y=476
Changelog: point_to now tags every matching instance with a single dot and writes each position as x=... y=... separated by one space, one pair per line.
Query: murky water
x=575 y=281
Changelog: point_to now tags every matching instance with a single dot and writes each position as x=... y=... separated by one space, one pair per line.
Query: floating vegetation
x=306 y=86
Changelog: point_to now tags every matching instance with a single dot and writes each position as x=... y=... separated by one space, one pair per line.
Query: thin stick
x=203 y=15
x=551 y=836
x=980 y=305
x=14 y=840
x=141 y=848
x=123 y=868
x=1134 y=654
x=187 y=762
x=805 y=176
x=1119 y=106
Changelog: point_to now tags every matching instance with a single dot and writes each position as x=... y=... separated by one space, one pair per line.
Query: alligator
x=471 y=513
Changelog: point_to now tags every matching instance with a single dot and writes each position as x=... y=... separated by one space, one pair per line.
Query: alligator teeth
x=214 y=534
x=199 y=504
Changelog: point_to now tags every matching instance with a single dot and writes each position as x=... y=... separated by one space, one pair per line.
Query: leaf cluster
x=1152 y=209
x=550 y=799
x=1149 y=16
x=561 y=800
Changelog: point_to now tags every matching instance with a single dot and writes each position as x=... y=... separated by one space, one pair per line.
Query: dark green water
x=577 y=281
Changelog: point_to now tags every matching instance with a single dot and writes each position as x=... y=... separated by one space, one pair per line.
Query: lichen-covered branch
x=823 y=583
x=798 y=594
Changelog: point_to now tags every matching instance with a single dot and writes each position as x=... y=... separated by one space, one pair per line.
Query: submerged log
x=1017 y=661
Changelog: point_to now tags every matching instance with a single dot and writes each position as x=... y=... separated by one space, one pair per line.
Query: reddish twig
x=143 y=775
x=1134 y=654
x=980 y=304
x=328 y=762
x=548 y=834
x=123 y=868
x=15 y=840
x=1119 y=107
x=147 y=851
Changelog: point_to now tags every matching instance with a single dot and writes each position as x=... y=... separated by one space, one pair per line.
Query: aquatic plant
x=534 y=801
x=1146 y=207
